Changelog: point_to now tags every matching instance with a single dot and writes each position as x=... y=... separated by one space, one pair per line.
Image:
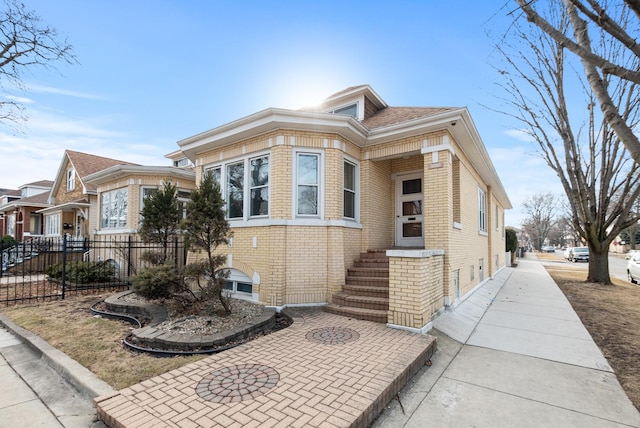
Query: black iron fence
x=41 y=269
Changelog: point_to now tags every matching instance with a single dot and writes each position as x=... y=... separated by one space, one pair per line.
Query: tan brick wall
x=296 y=264
x=376 y=208
x=415 y=289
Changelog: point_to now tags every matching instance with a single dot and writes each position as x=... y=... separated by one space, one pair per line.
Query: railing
x=49 y=268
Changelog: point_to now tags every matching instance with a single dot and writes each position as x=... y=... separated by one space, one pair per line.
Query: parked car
x=631 y=253
x=549 y=249
x=567 y=253
x=633 y=268
x=580 y=253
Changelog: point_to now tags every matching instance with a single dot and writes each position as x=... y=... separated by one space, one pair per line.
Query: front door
x=409 y=226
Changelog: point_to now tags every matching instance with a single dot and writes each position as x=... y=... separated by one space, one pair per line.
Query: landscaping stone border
x=152 y=338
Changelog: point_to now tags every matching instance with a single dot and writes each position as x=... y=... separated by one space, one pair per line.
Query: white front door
x=409 y=227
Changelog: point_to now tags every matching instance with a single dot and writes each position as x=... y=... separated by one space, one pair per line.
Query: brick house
x=382 y=213
x=71 y=197
x=94 y=195
x=19 y=215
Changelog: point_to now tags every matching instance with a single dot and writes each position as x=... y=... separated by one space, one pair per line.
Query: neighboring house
x=94 y=195
x=71 y=197
x=18 y=210
x=121 y=190
x=311 y=192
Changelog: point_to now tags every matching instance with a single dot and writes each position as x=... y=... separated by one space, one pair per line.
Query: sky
x=153 y=72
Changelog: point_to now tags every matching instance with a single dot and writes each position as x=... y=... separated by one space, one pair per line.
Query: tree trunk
x=599 y=266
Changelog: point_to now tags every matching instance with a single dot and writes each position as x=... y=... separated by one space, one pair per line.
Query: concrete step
x=364 y=302
x=374 y=315
x=368 y=272
x=366 y=290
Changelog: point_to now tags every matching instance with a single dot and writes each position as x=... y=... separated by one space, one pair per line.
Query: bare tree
x=25 y=42
x=600 y=179
x=612 y=21
x=541 y=210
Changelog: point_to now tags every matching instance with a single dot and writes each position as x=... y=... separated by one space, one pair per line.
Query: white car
x=631 y=253
x=633 y=268
x=580 y=253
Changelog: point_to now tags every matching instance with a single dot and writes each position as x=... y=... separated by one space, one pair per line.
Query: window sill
x=295 y=222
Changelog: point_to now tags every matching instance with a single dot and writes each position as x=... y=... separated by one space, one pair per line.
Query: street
x=617 y=264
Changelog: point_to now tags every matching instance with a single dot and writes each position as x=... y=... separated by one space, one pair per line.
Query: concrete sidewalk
x=33 y=394
x=513 y=354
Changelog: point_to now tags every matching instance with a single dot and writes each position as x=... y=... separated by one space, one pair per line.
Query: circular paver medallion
x=237 y=383
x=332 y=335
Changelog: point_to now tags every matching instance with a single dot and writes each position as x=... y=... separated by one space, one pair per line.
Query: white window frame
x=71 y=179
x=320 y=184
x=52 y=224
x=355 y=191
x=11 y=224
x=482 y=211
x=246 y=202
x=117 y=226
x=236 y=277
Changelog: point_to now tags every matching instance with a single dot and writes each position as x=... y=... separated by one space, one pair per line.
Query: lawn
x=92 y=341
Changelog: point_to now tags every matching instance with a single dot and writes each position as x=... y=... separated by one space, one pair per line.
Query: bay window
x=244 y=185
x=114 y=206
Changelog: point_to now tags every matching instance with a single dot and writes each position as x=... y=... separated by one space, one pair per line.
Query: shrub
x=511 y=241
x=7 y=241
x=84 y=272
x=157 y=282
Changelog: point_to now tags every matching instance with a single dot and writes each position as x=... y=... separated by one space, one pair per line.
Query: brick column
x=415 y=287
x=439 y=203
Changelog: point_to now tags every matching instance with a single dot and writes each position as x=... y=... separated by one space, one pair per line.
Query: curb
x=78 y=376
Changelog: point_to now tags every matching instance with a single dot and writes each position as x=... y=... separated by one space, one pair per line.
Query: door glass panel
x=412 y=186
x=412 y=208
x=412 y=230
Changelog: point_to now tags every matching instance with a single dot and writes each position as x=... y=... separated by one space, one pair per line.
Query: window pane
x=307 y=169
x=349 y=204
x=243 y=287
x=260 y=171
x=412 y=186
x=412 y=208
x=228 y=285
x=235 y=189
x=351 y=110
x=412 y=230
x=216 y=173
x=349 y=176
x=260 y=201
x=259 y=184
x=307 y=200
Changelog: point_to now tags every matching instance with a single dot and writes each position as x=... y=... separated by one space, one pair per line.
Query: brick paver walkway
x=325 y=370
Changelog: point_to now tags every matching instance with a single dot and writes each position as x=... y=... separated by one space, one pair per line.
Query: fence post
x=129 y=257
x=64 y=264
x=1 y=258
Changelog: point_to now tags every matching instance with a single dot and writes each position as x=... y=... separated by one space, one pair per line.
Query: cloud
x=520 y=134
x=34 y=87
x=20 y=100
x=36 y=154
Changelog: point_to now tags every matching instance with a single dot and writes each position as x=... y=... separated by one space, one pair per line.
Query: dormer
x=359 y=102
